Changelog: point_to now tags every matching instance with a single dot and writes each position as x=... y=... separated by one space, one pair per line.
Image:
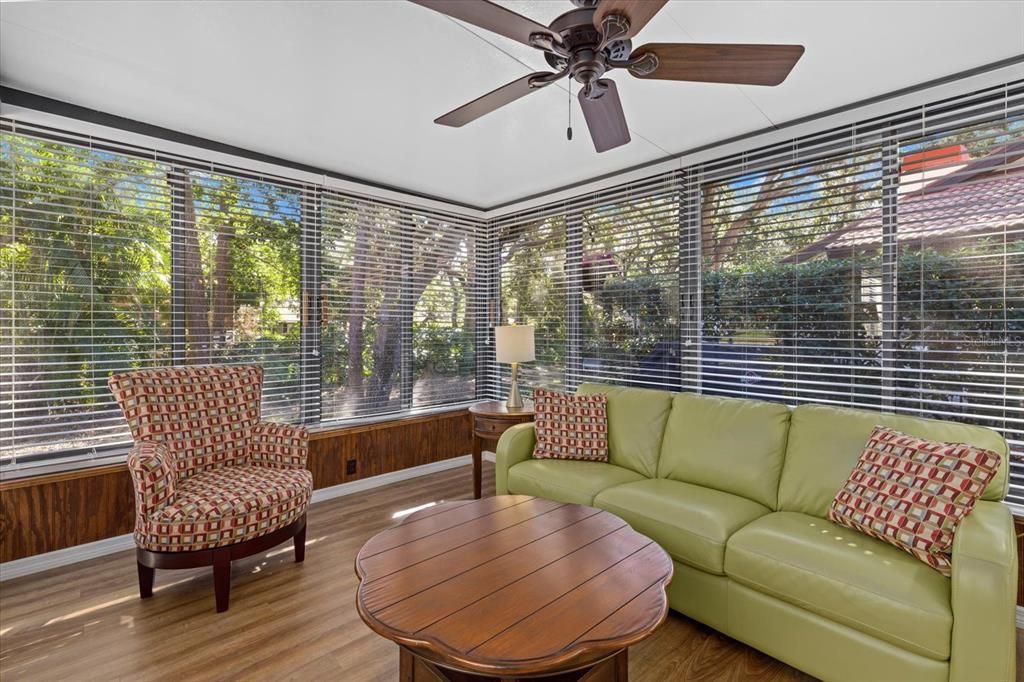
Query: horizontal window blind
x=114 y=257
x=535 y=290
x=85 y=278
x=401 y=305
x=878 y=265
x=599 y=278
x=236 y=252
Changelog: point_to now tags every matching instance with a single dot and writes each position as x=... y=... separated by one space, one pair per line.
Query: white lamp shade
x=514 y=343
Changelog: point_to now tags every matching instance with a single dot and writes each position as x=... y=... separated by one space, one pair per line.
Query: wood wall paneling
x=45 y=513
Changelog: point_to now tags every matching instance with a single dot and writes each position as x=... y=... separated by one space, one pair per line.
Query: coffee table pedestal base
x=412 y=668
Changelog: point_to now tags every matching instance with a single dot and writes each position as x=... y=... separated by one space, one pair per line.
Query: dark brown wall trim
x=54 y=511
x=30 y=100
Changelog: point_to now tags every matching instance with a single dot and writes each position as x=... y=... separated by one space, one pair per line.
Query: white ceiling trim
x=921 y=97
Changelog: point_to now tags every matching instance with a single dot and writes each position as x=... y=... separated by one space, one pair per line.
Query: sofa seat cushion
x=223 y=506
x=572 y=481
x=690 y=522
x=853 y=579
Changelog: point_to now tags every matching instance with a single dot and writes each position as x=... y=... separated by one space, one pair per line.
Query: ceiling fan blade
x=495 y=99
x=492 y=17
x=605 y=117
x=719 y=63
x=638 y=12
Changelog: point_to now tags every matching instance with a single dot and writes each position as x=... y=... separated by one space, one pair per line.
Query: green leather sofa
x=737 y=491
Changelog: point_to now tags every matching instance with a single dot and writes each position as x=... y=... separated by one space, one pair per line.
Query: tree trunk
x=357 y=310
x=197 y=321
x=719 y=248
x=430 y=258
x=223 y=293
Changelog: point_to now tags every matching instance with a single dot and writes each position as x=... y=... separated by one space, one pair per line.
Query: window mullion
x=890 y=265
x=574 y=296
x=176 y=178
x=312 y=306
x=690 y=290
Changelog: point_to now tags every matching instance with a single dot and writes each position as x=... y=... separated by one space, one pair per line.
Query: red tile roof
x=972 y=202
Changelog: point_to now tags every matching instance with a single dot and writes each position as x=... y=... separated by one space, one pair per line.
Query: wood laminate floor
x=286 y=621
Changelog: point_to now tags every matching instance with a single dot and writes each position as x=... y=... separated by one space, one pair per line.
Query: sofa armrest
x=279 y=446
x=514 y=446
x=984 y=595
x=152 y=470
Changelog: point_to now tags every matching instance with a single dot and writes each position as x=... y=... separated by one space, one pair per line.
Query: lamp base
x=515 y=400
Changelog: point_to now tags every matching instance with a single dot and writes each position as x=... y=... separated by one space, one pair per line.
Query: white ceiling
x=353 y=86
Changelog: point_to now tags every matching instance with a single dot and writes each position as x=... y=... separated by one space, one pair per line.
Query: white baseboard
x=62 y=557
x=90 y=550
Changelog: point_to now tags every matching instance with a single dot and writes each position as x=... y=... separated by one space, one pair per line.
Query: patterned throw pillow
x=570 y=426
x=913 y=493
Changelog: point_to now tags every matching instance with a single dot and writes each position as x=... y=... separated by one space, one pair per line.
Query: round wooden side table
x=492 y=418
x=512 y=587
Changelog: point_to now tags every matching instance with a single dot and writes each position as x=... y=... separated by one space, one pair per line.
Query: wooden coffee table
x=512 y=586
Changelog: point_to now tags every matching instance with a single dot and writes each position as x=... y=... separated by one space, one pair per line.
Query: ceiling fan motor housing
x=581 y=40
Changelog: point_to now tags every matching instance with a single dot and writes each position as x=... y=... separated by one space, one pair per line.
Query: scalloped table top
x=513 y=585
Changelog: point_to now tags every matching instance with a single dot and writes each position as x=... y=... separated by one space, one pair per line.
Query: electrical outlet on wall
x=350 y=467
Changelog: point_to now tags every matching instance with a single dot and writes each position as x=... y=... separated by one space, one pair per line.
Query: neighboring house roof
x=970 y=202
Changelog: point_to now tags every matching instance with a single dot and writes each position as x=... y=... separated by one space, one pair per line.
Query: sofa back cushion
x=826 y=442
x=736 y=446
x=636 y=424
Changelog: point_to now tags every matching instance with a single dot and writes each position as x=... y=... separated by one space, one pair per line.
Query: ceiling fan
x=587 y=42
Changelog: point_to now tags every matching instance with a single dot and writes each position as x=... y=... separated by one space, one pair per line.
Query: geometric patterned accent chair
x=212 y=481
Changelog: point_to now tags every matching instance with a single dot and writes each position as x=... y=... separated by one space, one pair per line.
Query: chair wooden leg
x=300 y=545
x=145 y=580
x=222 y=579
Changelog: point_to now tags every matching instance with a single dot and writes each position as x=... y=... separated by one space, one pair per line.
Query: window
x=878 y=265
x=785 y=315
x=960 y=284
x=85 y=276
x=239 y=253
x=447 y=309
x=400 y=308
x=115 y=258
x=629 y=276
x=534 y=290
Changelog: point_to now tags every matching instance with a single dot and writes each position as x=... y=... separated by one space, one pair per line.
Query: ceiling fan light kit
x=587 y=42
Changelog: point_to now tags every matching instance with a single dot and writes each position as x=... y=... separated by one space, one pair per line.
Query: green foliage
x=786 y=303
x=532 y=287
x=632 y=317
x=954 y=323
x=85 y=274
x=85 y=255
x=441 y=351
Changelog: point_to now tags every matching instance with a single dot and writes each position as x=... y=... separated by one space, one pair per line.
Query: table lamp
x=514 y=344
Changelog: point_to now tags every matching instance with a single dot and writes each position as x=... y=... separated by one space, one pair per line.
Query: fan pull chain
x=568 y=131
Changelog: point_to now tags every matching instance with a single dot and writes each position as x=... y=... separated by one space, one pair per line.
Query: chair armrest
x=152 y=469
x=984 y=586
x=514 y=446
x=279 y=446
